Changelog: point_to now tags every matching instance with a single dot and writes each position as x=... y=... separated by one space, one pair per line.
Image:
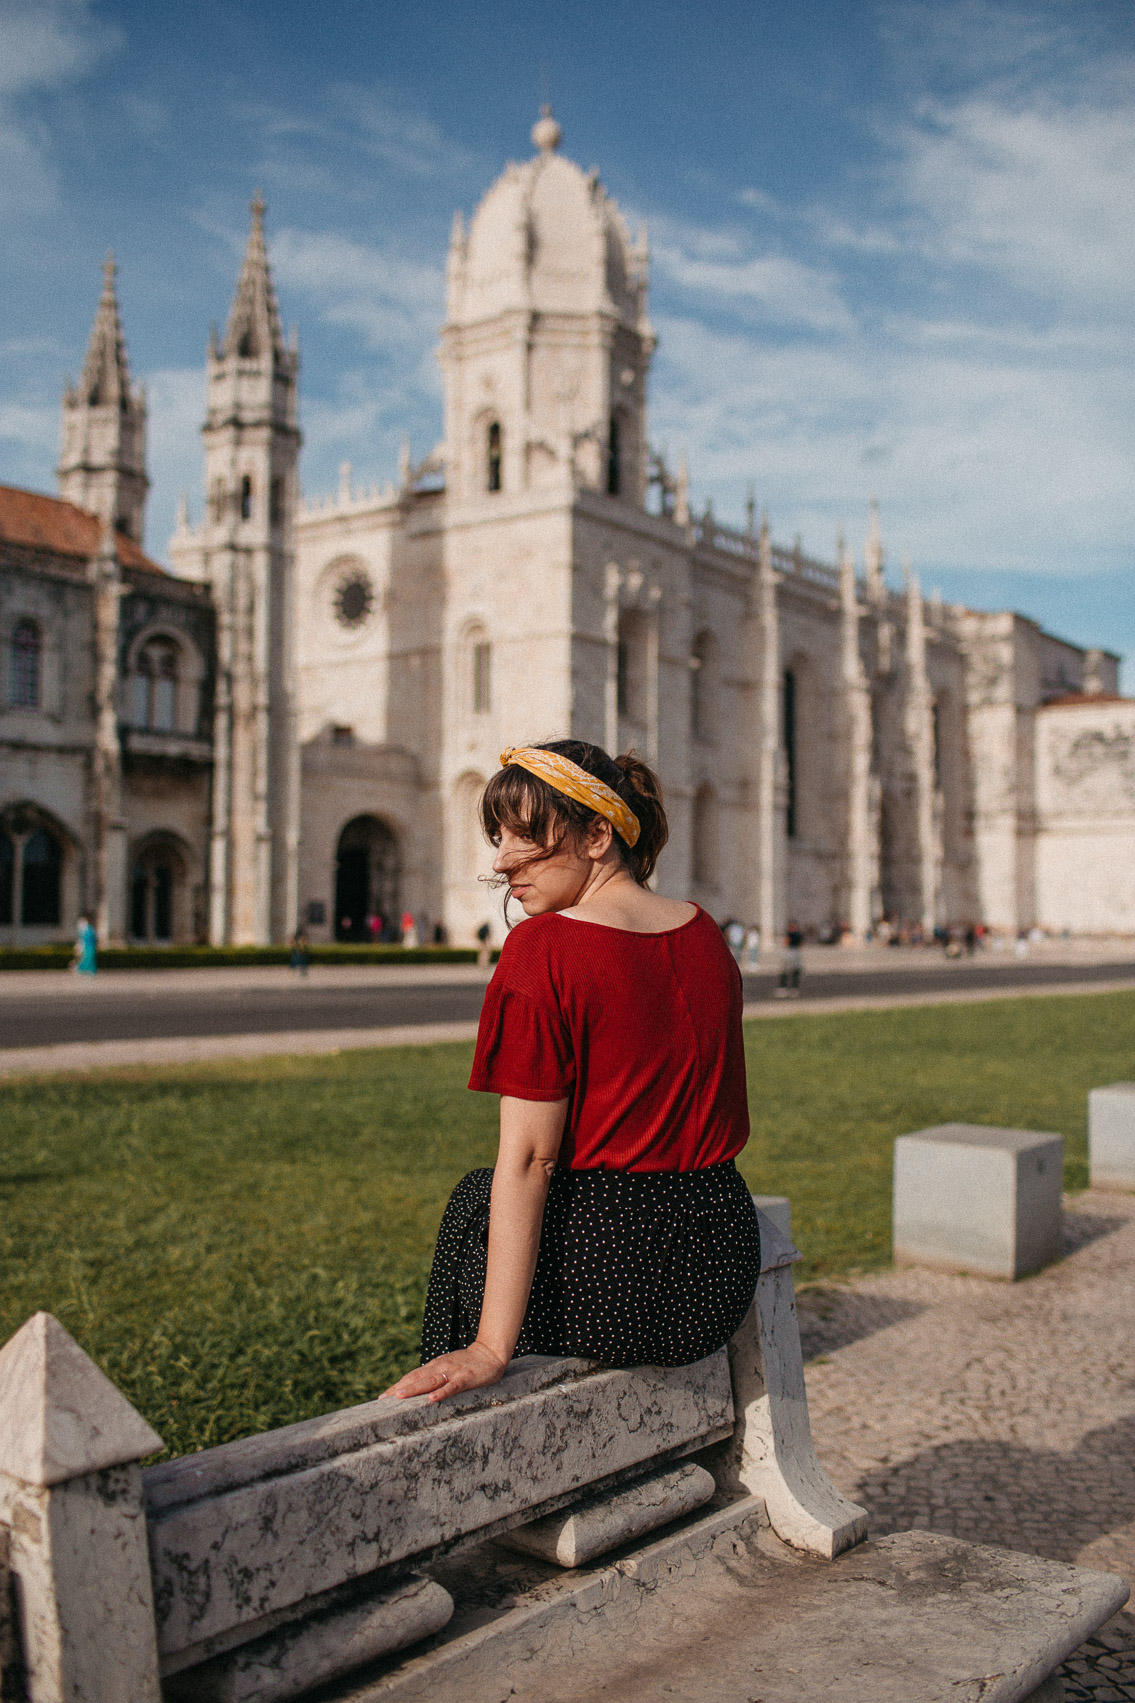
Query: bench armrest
x=771 y=1454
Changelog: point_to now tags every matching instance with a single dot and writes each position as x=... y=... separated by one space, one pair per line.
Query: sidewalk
x=997 y=1412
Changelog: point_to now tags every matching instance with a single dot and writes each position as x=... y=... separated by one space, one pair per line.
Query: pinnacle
x=60 y=1417
x=254 y=328
x=106 y=372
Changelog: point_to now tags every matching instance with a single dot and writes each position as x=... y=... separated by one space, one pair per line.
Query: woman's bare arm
x=531 y=1131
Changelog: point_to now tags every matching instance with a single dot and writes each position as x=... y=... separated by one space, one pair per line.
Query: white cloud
x=393 y=301
x=1041 y=193
x=44 y=45
x=979 y=458
x=779 y=290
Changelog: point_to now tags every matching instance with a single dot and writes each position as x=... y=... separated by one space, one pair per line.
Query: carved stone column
x=862 y=854
x=918 y=719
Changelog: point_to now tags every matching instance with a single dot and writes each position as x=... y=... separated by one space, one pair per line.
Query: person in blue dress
x=86 y=945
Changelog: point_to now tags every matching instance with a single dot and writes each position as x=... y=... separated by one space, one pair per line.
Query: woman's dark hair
x=526 y=804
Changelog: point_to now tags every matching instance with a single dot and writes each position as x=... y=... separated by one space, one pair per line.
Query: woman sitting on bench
x=614 y=1225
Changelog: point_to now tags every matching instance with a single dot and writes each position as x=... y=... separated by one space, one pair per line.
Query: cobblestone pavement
x=1001 y=1413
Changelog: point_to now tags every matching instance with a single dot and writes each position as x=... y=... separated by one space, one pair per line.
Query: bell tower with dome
x=546 y=343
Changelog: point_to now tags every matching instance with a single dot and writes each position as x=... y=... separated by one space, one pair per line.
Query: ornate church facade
x=295 y=724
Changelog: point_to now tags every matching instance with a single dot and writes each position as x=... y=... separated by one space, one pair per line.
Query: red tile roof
x=1072 y=700
x=60 y=528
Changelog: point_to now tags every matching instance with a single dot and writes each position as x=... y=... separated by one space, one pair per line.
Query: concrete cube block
x=1111 y=1136
x=972 y=1198
x=778 y=1208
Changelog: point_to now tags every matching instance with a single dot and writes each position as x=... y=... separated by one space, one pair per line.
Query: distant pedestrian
x=409 y=929
x=792 y=964
x=85 y=959
x=483 y=946
x=734 y=932
x=752 y=947
x=298 y=957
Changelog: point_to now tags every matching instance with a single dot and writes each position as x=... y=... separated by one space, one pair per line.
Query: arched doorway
x=157 y=879
x=367 y=900
x=32 y=852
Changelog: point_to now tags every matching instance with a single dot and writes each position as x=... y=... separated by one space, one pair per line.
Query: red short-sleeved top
x=642 y=1031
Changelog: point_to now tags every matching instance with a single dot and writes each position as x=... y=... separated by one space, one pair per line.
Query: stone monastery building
x=294 y=725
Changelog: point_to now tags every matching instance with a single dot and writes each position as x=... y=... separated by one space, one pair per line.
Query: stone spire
x=102 y=464
x=106 y=374
x=873 y=555
x=254 y=319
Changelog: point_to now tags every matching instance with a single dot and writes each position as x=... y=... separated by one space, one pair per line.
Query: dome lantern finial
x=546 y=133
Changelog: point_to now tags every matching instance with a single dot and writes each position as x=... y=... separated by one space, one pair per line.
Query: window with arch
x=614 y=458
x=153 y=686
x=41 y=880
x=7 y=878
x=703 y=689
x=705 y=846
x=482 y=660
x=246 y=498
x=788 y=716
x=495 y=458
x=25 y=666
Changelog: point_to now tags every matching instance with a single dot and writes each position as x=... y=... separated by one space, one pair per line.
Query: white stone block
x=973 y=1198
x=1111 y=1136
x=579 y=1534
x=778 y=1207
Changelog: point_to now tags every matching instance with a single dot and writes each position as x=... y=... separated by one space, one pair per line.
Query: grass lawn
x=242 y=1245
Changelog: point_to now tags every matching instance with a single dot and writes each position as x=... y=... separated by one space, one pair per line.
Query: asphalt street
x=38 y=1016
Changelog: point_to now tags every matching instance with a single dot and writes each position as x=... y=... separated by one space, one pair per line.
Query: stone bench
x=1111 y=1136
x=968 y=1197
x=572 y=1521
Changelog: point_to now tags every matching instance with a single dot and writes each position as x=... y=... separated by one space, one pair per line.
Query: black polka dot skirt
x=635 y=1268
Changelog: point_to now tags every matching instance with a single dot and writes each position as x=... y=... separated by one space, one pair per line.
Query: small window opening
x=246 y=498
x=482 y=677
x=153 y=687
x=790 y=752
x=26 y=666
x=622 y=676
x=495 y=462
x=342 y=735
x=613 y=458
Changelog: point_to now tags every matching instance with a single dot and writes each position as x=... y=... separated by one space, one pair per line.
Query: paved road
x=137 y=1008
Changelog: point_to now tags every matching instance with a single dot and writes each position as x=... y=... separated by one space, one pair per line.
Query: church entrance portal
x=367 y=903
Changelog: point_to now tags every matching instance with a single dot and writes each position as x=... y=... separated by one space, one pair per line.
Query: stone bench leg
x=75 y=1530
x=771 y=1454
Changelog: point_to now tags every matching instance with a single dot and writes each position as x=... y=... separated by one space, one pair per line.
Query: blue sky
x=893 y=244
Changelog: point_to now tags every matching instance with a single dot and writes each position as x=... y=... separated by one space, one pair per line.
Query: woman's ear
x=599 y=838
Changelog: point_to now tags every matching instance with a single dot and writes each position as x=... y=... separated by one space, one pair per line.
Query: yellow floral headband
x=567 y=777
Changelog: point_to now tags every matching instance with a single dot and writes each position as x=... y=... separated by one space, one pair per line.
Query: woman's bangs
x=519 y=802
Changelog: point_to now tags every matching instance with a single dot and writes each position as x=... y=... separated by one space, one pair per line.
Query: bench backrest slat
x=229 y=1556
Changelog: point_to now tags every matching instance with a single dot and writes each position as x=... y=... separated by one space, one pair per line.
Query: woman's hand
x=469 y=1368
